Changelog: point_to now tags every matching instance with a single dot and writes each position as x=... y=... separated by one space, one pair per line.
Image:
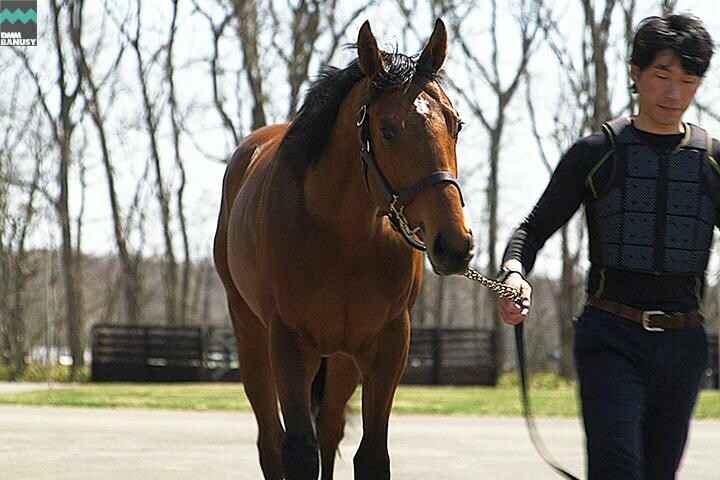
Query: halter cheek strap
x=397 y=201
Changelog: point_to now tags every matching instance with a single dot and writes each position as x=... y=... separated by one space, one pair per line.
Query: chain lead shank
x=503 y=290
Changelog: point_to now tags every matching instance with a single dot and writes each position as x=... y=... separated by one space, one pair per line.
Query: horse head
x=408 y=131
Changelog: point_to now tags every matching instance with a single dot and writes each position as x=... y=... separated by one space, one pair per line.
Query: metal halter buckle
x=399 y=215
x=646 y=320
x=362 y=113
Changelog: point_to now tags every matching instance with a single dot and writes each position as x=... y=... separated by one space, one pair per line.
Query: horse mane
x=309 y=131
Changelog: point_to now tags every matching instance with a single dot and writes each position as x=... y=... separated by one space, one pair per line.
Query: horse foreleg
x=341 y=381
x=382 y=365
x=252 y=341
x=294 y=365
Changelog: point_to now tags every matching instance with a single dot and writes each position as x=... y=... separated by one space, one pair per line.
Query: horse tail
x=318 y=387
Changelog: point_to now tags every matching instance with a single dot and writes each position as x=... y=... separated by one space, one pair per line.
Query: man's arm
x=561 y=199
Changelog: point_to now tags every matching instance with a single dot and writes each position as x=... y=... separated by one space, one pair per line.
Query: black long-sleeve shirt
x=565 y=193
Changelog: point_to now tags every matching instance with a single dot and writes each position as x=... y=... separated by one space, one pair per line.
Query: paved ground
x=99 y=444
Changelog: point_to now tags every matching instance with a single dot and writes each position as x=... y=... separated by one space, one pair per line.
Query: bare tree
x=130 y=278
x=248 y=31
x=151 y=119
x=294 y=36
x=175 y=122
x=17 y=267
x=310 y=19
x=63 y=134
x=569 y=291
x=599 y=32
x=66 y=19
x=305 y=30
x=588 y=108
x=218 y=30
x=629 y=16
x=502 y=91
x=337 y=28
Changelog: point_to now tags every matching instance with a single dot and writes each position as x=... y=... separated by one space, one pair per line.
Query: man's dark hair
x=683 y=35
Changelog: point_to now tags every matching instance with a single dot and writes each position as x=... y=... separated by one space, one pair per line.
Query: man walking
x=650 y=185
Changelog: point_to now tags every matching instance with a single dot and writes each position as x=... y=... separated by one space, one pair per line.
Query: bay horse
x=314 y=246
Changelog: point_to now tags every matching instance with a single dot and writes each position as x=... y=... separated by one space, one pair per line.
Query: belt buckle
x=646 y=320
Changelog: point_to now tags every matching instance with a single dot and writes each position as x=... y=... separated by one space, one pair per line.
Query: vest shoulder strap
x=709 y=154
x=618 y=131
x=699 y=139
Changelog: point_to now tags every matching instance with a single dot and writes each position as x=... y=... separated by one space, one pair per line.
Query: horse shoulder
x=254 y=150
x=251 y=151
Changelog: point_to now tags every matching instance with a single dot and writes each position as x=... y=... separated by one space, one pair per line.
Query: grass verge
x=559 y=401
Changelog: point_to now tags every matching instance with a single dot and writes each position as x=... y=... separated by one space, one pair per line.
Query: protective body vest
x=656 y=214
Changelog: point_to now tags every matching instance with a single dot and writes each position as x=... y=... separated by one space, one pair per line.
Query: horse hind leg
x=252 y=341
x=342 y=378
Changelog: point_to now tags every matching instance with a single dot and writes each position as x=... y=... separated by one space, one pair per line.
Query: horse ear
x=369 y=56
x=434 y=53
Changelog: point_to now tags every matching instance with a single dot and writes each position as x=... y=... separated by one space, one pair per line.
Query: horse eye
x=387 y=131
x=460 y=126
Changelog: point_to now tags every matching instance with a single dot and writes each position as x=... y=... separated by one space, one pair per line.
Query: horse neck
x=335 y=191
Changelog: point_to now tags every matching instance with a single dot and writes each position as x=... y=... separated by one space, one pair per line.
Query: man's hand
x=510 y=312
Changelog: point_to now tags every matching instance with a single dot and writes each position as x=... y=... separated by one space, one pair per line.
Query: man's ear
x=634 y=72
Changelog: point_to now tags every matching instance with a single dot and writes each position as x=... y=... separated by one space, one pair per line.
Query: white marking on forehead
x=421 y=106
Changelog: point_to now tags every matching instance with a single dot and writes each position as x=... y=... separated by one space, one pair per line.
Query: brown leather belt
x=651 y=320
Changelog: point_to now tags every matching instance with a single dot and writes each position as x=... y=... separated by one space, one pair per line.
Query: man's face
x=665 y=90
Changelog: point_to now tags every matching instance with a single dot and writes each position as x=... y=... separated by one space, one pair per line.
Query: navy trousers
x=638 y=390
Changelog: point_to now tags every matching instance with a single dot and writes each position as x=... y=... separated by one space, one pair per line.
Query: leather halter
x=397 y=201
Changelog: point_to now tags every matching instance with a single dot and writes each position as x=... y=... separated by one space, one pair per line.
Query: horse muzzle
x=451 y=254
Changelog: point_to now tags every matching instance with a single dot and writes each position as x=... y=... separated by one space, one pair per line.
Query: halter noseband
x=397 y=201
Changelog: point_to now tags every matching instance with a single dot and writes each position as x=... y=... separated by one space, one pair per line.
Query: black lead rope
x=512 y=293
x=537 y=442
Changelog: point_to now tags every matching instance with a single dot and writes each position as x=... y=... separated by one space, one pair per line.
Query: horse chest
x=341 y=311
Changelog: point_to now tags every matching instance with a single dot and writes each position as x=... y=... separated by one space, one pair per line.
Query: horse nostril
x=449 y=258
x=440 y=249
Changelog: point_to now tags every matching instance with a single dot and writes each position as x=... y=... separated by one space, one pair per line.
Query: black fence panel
x=174 y=354
x=451 y=357
x=118 y=354
x=162 y=354
x=221 y=359
x=167 y=354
